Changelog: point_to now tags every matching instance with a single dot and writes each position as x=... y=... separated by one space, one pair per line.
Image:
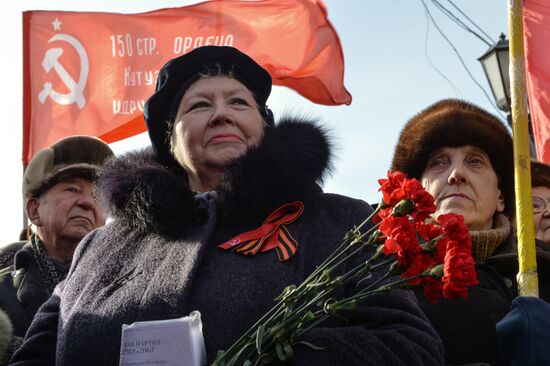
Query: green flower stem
x=431 y=245
x=321 y=315
x=342 y=280
x=367 y=289
x=363 y=294
x=292 y=322
x=343 y=247
x=269 y=316
x=237 y=356
x=356 y=272
x=345 y=259
x=366 y=221
x=235 y=352
x=245 y=346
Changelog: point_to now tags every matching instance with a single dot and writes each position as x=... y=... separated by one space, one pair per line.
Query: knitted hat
x=540 y=174
x=455 y=123
x=79 y=156
x=177 y=76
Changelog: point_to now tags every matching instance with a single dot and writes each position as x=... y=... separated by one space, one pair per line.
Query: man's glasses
x=539 y=205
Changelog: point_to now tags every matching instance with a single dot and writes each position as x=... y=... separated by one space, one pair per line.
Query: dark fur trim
x=146 y=195
x=455 y=123
x=6 y=333
x=540 y=174
x=291 y=160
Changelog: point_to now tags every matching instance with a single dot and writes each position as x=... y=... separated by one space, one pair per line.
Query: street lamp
x=495 y=64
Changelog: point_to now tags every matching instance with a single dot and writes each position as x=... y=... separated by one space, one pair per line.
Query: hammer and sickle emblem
x=51 y=61
x=234 y=241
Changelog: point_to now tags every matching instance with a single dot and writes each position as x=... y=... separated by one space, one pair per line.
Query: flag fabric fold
x=90 y=73
x=536 y=34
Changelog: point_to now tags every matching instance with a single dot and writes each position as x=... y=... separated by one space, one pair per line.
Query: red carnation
x=418 y=265
x=454 y=228
x=458 y=273
x=398 y=188
x=428 y=231
x=433 y=289
x=392 y=188
x=442 y=247
x=381 y=215
x=400 y=238
x=423 y=201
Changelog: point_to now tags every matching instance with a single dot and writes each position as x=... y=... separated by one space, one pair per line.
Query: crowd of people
x=217 y=168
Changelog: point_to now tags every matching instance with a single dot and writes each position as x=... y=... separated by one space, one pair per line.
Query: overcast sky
x=389 y=58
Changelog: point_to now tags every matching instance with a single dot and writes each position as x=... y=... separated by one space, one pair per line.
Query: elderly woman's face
x=217 y=120
x=541 y=213
x=463 y=181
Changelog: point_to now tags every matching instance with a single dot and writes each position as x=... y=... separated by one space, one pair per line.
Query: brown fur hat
x=455 y=123
x=540 y=174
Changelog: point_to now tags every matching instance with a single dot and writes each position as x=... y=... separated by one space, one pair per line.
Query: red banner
x=536 y=34
x=90 y=73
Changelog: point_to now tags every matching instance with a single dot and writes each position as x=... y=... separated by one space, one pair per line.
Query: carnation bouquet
x=410 y=249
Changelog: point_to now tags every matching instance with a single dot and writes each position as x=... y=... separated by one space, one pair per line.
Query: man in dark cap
x=57 y=192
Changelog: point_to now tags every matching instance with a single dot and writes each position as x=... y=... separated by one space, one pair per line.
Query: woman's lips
x=224 y=138
x=458 y=196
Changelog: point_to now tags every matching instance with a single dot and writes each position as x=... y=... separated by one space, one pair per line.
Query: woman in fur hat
x=463 y=156
x=217 y=169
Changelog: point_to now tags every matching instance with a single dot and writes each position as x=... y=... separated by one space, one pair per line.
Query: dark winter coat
x=468 y=327
x=22 y=290
x=159 y=259
x=7 y=253
x=8 y=294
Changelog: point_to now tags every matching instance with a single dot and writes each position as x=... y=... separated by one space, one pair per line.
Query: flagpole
x=527 y=275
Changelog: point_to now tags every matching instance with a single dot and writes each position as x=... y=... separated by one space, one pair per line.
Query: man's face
x=66 y=212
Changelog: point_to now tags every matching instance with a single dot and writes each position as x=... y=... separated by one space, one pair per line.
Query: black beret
x=177 y=75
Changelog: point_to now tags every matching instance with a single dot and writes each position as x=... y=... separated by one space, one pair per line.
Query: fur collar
x=148 y=196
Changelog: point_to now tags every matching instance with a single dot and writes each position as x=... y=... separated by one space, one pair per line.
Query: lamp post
x=495 y=62
x=495 y=65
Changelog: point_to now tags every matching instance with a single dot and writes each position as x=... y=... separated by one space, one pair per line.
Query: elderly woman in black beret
x=217 y=169
x=463 y=156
